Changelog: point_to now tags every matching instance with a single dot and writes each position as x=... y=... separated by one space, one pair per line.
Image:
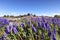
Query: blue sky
x=38 y=7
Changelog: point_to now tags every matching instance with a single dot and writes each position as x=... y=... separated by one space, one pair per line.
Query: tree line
x=28 y=14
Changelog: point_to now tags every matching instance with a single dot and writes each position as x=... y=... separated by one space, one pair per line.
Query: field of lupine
x=39 y=28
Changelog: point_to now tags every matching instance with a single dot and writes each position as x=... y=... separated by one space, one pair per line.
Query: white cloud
x=48 y=14
x=55 y=14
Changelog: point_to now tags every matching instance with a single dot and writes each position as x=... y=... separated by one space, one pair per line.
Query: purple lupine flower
x=54 y=21
x=3 y=22
x=53 y=37
x=28 y=22
x=43 y=25
x=14 y=30
x=49 y=33
x=48 y=20
x=4 y=36
x=7 y=30
x=47 y=26
x=39 y=24
x=1 y=25
x=58 y=22
x=37 y=19
x=55 y=31
x=42 y=36
x=22 y=25
x=11 y=27
x=43 y=19
x=15 y=24
x=33 y=28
